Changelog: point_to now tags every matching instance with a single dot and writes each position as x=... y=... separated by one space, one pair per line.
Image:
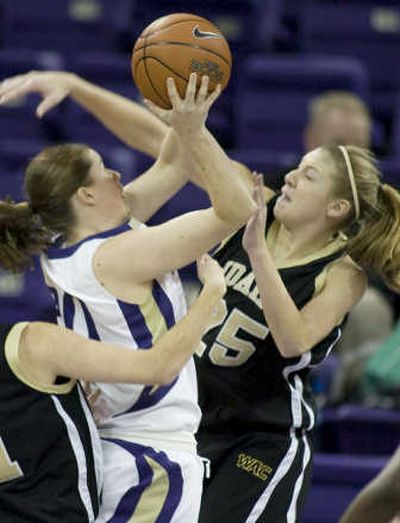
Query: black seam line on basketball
x=166 y=42
x=168 y=102
x=172 y=25
x=166 y=67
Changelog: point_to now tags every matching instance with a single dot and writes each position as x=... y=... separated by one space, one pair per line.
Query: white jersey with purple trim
x=89 y=309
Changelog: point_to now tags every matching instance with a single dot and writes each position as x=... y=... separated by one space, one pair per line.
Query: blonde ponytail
x=377 y=244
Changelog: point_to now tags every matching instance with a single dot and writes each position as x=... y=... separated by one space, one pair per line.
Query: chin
x=279 y=209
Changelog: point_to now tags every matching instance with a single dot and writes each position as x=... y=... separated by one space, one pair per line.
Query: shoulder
x=345 y=273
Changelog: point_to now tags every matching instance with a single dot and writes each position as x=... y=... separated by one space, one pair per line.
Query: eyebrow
x=309 y=166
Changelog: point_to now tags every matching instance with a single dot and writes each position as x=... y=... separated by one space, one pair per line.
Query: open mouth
x=284 y=196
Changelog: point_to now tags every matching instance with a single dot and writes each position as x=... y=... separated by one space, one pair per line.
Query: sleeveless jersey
x=50 y=455
x=243 y=379
x=89 y=309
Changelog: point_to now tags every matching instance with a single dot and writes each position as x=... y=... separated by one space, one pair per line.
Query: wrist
x=72 y=80
x=214 y=289
x=256 y=251
x=187 y=134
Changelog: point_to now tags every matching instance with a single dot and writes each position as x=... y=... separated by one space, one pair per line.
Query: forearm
x=281 y=314
x=228 y=183
x=128 y=120
x=379 y=501
x=369 y=505
x=150 y=191
x=147 y=193
x=180 y=343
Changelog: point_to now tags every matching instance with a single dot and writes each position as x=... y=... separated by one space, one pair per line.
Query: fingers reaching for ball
x=188 y=114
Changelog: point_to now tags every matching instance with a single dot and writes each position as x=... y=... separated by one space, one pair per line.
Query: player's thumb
x=48 y=103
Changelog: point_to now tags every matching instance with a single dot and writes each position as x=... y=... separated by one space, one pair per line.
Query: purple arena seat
x=351 y=429
x=337 y=479
x=65 y=25
x=14 y=158
x=235 y=18
x=25 y=297
x=273 y=95
x=108 y=70
x=363 y=30
x=391 y=170
x=273 y=165
x=395 y=138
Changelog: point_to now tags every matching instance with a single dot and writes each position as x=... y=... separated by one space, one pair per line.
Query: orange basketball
x=175 y=46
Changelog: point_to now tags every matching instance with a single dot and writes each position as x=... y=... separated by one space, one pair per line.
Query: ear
x=85 y=196
x=339 y=208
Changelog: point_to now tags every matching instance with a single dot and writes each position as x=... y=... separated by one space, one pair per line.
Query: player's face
x=107 y=188
x=307 y=190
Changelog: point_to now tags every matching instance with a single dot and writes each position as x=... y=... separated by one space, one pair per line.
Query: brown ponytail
x=374 y=239
x=51 y=179
x=22 y=235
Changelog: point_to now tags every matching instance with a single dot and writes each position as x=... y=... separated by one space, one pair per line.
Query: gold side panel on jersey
x=22 y=373
x=153 y=317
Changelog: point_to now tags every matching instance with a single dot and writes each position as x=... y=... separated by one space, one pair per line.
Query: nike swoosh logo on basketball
x=198 y=33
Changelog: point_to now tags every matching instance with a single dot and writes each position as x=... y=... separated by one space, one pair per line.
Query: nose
x=116 y=175
x=290 y=178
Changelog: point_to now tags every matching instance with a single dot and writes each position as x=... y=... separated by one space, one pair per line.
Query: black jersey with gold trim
x=49 y=448
x=243 y=379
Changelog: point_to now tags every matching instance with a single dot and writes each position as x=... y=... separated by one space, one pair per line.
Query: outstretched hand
x=254 y=234
x=52 y=86
x=210 y=273
x=189 y=114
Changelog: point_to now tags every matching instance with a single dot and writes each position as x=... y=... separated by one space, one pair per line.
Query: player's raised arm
x=168 y=174
x=50 y=351
x=128 y=120
x=228 y=183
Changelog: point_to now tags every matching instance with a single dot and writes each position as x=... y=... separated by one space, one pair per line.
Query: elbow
x=237 y=214
x=164 y=371
x=292 y=348
x=166 y=376
x=295 y=341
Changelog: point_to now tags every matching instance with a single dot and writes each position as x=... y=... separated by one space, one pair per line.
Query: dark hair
x=374 y=241
x=51 y=179
x=22 y=235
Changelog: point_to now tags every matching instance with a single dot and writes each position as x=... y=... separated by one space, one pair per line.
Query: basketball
x=175 y=46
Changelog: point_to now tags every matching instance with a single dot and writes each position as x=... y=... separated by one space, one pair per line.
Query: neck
x=90 y=228
x=295 y=244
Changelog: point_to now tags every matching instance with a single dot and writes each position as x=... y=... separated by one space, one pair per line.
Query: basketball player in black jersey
x=292 y=274
x=288 y=293
x=50 y=454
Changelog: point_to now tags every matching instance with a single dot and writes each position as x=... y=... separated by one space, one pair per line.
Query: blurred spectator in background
x=370 y=323
x=334 y=118
x=338 y=117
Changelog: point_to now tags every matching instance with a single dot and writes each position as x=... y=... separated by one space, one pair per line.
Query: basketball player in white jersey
x=110 y=280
